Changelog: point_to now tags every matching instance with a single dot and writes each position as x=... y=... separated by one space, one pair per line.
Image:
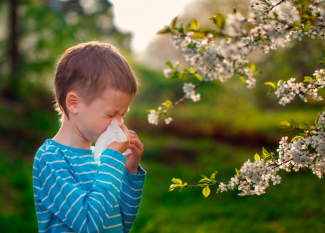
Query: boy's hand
x=123 y=146
x=133 y=159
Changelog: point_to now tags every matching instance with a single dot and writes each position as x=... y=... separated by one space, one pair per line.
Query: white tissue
x=112 y=133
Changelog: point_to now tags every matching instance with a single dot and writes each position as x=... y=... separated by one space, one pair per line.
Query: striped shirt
x=73 y=193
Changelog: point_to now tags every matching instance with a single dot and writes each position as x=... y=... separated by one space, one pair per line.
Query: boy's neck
x=69 y=135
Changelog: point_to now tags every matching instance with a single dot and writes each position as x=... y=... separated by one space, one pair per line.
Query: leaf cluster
x=194 y=27
x=174 y=74
x=205 y=181
x=177 y=183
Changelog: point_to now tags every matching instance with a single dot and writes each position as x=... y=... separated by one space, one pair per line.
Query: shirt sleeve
x=130 y=196
x=83 y=211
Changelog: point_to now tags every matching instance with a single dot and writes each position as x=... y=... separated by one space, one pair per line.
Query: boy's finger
x=126 y=131
x=134 y=147
x=137 y=143
x=134 y=136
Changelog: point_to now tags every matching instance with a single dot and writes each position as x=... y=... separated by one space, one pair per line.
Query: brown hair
x=89 y=68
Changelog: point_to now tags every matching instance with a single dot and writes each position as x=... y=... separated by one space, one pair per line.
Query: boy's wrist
x=133 y=171
x=138 y=178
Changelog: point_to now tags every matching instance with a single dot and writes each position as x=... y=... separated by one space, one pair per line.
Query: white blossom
x=167 y=72
x=168 y=120
x=153 y=118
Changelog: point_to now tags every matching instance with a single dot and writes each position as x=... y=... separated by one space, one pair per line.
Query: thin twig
x=216 y=183
x=180 y=100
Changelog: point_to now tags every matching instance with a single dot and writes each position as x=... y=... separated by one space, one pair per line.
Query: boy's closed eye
x=114 y=115
x=122 y=114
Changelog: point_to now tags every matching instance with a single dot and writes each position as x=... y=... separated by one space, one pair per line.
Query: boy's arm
x=61 y=194
x=130 y=196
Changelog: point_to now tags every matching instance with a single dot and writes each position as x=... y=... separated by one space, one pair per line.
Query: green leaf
x=265 y=153
x=221 y=21
x=168 y=63
x=284 y=124
x=234 y=10
x=307 y=25
x=202 y=50
x=310 y=148
x=191 y=46
x=301 y=134
x=214 y=20
x=271 y=84
x=165 y=30
x=242 y=79
x=198 y=77
x=257 y=157
x=187 y=26
x=181 y=187
x=258 y=74
x=303 y=126
x=253 y=68
x=167 y=103
x=177 y=64
x=173 y=186
x=213 y=176
x=198 y=35
x=192 y=69
x=195 y=24
x=270 y=92
x=237 y=171
x=295 y=138
x=203 y=176
x=307 y=79
x=297 y=24
x=204 y=180
x=206 y=191
x=218 y=190
x=173 y=75
x=173 y=23
x=177 y=181
x=181 y=30
x=208 y=30
x=182 y=76
x=302 y=2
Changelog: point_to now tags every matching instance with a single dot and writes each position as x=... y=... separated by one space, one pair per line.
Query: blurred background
x=228 y=126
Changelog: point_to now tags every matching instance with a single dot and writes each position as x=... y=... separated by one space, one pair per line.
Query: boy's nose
x=119 y=120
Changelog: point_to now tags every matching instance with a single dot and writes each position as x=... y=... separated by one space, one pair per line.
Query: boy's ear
x=72 y=102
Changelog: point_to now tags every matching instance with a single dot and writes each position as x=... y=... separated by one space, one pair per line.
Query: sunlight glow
x=145 y=17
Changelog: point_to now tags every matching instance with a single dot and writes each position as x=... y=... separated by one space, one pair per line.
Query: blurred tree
x=33 y=35
x=281 y=64
x=161 y=49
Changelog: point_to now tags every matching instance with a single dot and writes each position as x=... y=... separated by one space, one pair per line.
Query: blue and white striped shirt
x=73 y=193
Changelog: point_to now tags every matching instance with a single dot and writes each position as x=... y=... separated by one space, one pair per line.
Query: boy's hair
x=89 y=68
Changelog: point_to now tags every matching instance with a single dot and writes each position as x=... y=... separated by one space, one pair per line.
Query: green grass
x=294 y=205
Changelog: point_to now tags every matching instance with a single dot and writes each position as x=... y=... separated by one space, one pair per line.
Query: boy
x=93 y=85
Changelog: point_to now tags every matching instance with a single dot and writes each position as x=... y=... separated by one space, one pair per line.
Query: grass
x=294 y=205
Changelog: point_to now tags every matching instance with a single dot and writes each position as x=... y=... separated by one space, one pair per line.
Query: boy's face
x=93 y=120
